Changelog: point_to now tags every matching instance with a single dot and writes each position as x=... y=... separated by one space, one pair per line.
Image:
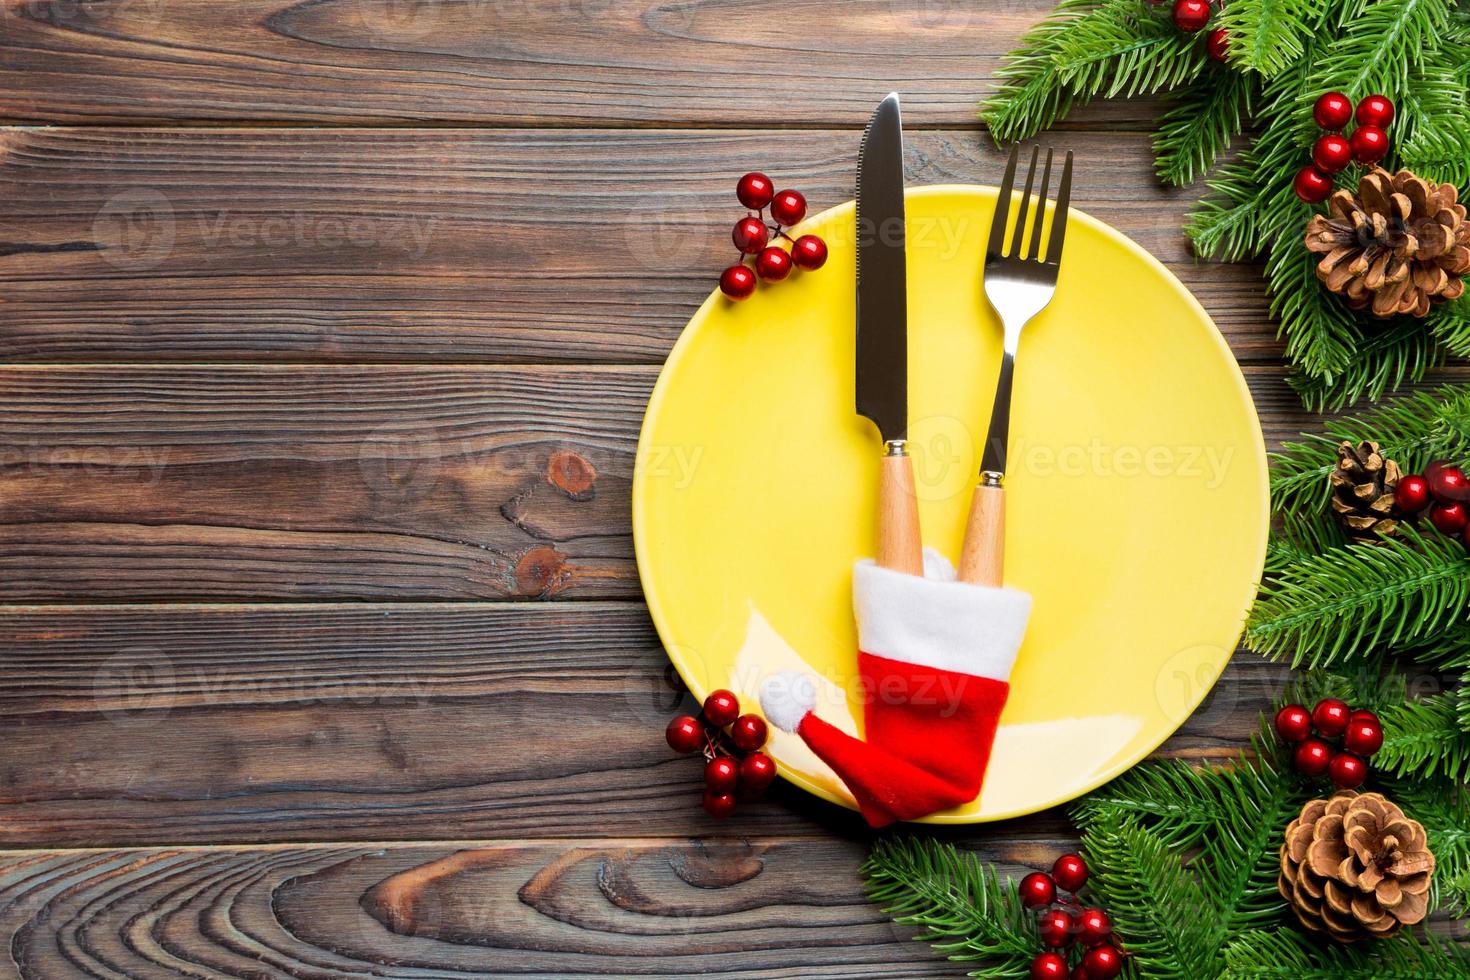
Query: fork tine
x=1059 y=215
x=1003 y=207
x=1025 y=203
x=1034 y=251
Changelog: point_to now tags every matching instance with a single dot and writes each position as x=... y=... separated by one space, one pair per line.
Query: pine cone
x=1362 y=491
x=1355 y=867
x=1399 y=243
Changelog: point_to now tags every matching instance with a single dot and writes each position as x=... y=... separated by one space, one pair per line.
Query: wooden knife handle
x=899 y=545
x=982 y=559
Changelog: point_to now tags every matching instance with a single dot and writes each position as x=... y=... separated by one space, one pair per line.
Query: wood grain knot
x=541 y=573
x=571 y=473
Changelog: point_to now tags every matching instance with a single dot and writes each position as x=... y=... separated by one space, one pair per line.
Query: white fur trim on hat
x=970 y=629
x=787 y=697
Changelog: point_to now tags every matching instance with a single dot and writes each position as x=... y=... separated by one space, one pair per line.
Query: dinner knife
x=882 y=333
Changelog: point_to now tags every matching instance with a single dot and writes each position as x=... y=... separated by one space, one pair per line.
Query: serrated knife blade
x=882 y=295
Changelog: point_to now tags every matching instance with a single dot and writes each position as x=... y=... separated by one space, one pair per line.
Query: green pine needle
x=1267 y=36
x=1400 y=352
x=1127 y=48
x=957 y=902
x=1200 y=125
x=1449 y=323
x=1032 y=95
x=1425 y=738
x=1327 y=607
x=1287 y=954
x=1164 y=915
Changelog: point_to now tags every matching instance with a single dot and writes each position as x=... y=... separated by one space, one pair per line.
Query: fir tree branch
x=1127 y=48
x=1286 y=954
x=1266 y=36
x=1376 y=46
x=957 y=902
x=1320 y=331
x=1200 y=124
x=1032 y=95
x=1449 y=323
x=1165 y=918
x=1362 y=596
x=1424 y=738
x=1400 y=352
x=1434 y=116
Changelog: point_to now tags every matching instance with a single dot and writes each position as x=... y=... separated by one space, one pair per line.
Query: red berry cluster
x=1334 y=150
x=752 y=236
x=1065 y=924
x=1360 y=732
x=1442 y=490
x=734 y=766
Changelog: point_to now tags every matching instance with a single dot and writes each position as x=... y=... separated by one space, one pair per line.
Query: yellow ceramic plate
x=1137 y=502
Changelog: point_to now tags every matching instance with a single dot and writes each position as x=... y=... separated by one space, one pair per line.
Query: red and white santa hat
x=934 y=663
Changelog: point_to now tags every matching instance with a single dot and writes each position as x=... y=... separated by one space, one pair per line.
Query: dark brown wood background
x=327 y=328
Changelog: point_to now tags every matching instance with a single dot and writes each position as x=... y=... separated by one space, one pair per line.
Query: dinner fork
x=1018 y=285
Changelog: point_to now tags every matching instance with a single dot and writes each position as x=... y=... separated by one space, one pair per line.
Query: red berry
x=748 y=733
x=721 y=774
x=788 y=207
x=1048 y=966
x=685 y=734
x=1331 y=717
x=1412 y=494
x=1293 y=723
x=1312 y=757
x=750 y=235
x=1449 y=484
x=757 y=771
x=1079 y=972
x=755 y=190
x=1370 y=144
x=721 y=708
x=1364 y=734
x=1347 y=770
x=1094 y=927
x=1216 y=44
x=1375 y=110
x=1434 y=468
x=1332 y=153
x=1037 y=890
x=718 y=804
x=1069 y=872
x=1312 y=185
x=1449 y=518
x=809 y=252
x=1055 y=927
x=773 y=264
x=737 y=282
x=1103 y=963
x=1333 y=110
x=1191 y=15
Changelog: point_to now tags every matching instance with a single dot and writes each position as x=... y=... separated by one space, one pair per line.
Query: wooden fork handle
x=982 y=559
x=899 y=545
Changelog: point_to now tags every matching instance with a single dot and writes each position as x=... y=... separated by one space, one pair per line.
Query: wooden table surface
x=327 y=329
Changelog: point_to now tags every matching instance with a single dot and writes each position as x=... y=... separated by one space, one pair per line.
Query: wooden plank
x=452 y=246
x=721 y=908
x=200 y=724
x=317 y=483
x=288 y=483
x=507 y=62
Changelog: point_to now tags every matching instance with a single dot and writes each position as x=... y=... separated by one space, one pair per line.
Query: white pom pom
x=787 y=697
